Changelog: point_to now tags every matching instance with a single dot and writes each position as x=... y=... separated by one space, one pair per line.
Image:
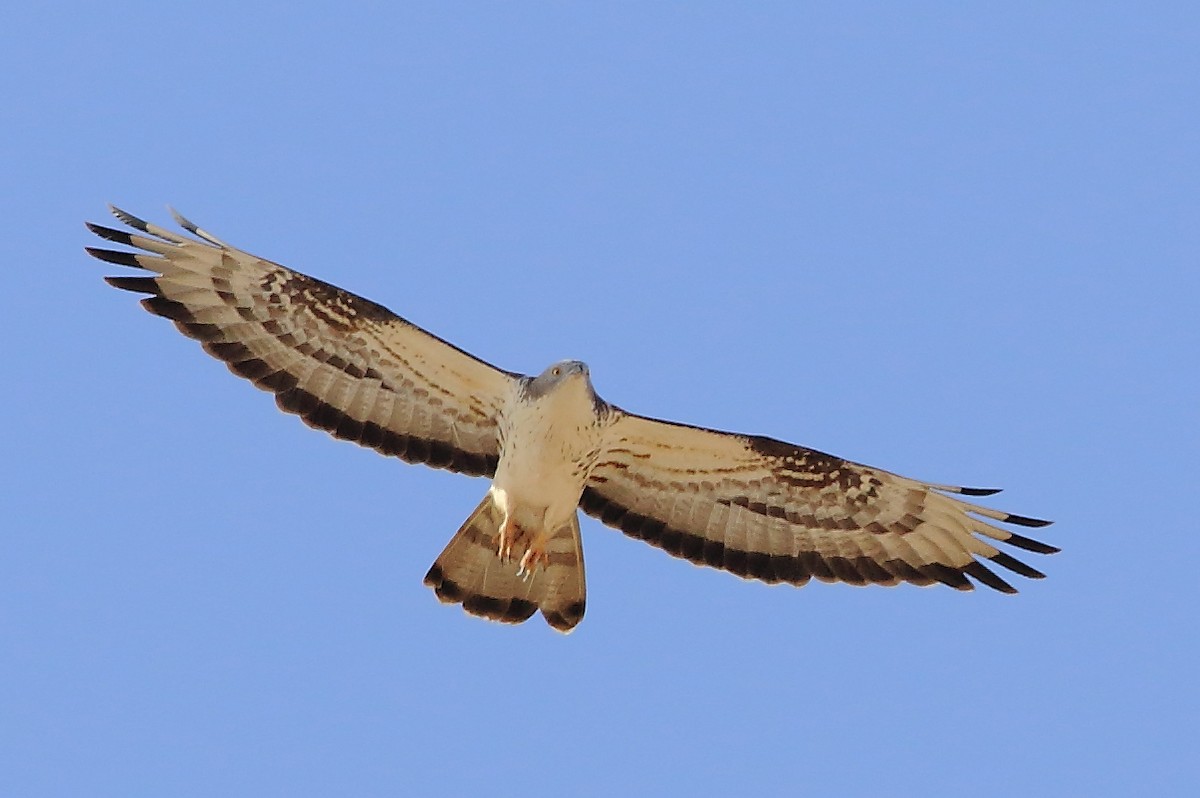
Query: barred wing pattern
x=776 y=512
x=343 y=363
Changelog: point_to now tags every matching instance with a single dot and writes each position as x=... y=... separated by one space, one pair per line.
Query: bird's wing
x=342 y=363
x=776 y=512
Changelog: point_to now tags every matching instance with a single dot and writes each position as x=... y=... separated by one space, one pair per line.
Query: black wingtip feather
x=184 y=222
x=984 y=575
x=1016 y=566
x=946 y=575
x=129 y=219
x=168 y=309
x=113 y=256
x=110 y=234
x=1024 y=520
x=979 y=491
x=139 y=285
x=1029 y=544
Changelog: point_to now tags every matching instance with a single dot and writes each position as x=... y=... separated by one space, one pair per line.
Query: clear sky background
x=958 y=241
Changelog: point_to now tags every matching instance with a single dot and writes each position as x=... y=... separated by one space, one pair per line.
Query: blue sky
x=957 y=241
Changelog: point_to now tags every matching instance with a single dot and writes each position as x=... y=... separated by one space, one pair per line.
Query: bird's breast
x=548 y=451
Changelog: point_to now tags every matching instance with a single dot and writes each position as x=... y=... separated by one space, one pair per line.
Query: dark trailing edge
x=799 y=570
x=505 y=610
x=511 y=610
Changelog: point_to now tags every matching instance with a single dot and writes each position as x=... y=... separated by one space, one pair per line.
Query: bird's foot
x=535 y=557
x=517 y=543
x=511 y=537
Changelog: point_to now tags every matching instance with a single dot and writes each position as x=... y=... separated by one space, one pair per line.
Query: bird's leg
x=510 y=534
x=515 y=540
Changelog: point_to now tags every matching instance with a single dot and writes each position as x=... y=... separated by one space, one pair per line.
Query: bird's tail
x=471 y=572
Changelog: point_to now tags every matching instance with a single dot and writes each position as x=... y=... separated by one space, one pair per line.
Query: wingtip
x=979 y=491
x=1024 y=520
x=128 y=218
x=193 y=228
x=138 y=285
x=111 y=234
x=964 y=491
x=1016 y=566
x=1029 y=544
x=113 y=256
x=182 y=220
x=988 y=577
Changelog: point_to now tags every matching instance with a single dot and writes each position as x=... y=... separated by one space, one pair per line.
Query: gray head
x=556 y=375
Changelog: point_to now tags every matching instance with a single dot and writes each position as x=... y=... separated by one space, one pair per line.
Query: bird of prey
x=758 y=507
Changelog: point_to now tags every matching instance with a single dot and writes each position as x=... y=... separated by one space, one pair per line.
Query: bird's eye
x=556 y=371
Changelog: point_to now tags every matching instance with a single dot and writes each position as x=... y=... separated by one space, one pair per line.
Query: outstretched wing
x=342 y=363
x=777 y=512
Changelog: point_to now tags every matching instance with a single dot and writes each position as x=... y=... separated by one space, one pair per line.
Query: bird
x=752 y=505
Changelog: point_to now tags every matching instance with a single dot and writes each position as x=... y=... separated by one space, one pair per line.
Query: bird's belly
x=545 y=483
x=541 y=479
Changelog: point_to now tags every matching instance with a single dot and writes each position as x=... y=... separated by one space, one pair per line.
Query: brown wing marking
x=343 y=363
x=776 y=512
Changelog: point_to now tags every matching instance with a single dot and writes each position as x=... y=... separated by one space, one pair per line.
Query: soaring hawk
x=758 y=507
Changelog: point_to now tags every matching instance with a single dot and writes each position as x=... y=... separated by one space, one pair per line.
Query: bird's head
x=559 y=375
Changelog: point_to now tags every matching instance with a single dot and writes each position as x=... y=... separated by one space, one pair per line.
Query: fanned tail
x=469 y=571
